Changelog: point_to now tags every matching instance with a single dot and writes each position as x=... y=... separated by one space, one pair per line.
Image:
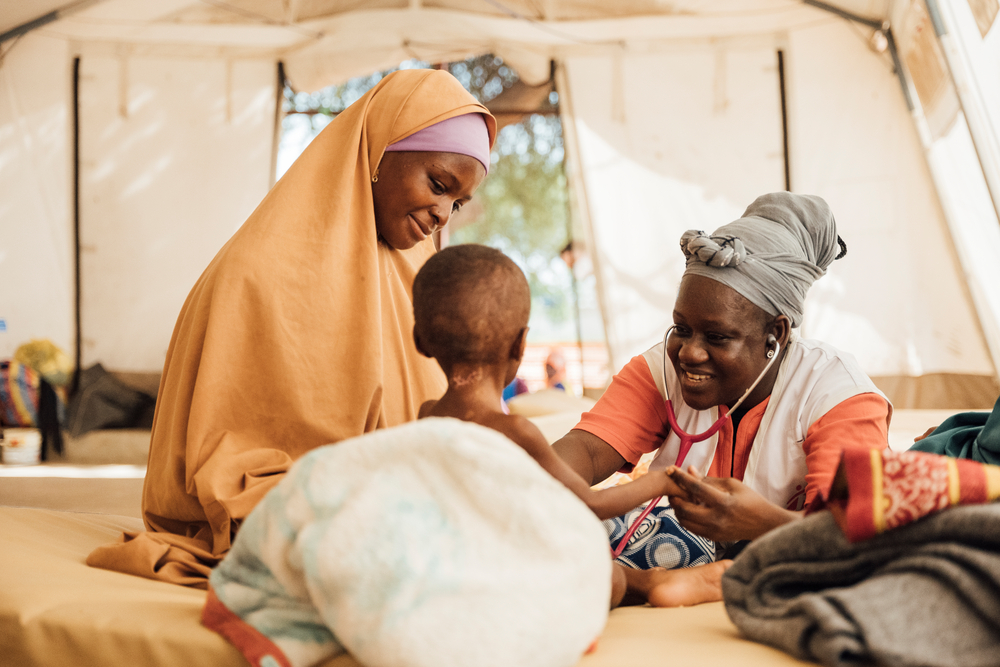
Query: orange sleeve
x=631 y=415
x=860 y=422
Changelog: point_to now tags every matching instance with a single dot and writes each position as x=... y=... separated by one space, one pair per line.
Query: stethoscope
x=687 y=439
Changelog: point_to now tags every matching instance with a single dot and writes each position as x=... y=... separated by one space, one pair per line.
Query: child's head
x=470 y=305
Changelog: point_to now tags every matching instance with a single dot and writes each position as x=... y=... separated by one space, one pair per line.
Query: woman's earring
x=770 y=354
x=375 y=176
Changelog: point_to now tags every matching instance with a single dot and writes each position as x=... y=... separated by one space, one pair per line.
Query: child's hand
x=668 y=486
x=676 y=490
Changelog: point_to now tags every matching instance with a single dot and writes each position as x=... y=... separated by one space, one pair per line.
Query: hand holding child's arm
x=724 y=509
x=605 y=503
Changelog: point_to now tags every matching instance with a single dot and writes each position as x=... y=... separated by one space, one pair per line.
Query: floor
x=98 y=489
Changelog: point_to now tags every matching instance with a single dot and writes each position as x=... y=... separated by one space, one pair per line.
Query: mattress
x=56 y=611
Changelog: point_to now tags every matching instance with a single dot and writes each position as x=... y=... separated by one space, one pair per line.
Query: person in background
x=516 y=387
x=555 y=370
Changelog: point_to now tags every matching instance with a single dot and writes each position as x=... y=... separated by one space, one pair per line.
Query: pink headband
x=465 y=135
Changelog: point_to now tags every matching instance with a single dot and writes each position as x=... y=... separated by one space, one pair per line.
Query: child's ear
x=520 y=342
x=420 y=348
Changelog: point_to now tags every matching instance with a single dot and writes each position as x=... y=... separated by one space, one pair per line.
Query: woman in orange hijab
x=300 y=331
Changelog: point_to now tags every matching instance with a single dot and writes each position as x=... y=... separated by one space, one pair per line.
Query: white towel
x=434 y=543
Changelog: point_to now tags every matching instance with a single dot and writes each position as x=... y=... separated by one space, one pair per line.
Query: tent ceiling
x=180 y=96
x=291 y=23
x=13 y=14
x=326 y=41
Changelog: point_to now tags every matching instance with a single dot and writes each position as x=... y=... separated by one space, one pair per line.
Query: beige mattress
x=56 y=611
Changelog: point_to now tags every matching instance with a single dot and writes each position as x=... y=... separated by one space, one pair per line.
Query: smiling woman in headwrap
x=741 y=296
x=300 y=331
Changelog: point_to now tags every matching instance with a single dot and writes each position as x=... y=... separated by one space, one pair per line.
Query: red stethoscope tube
x=686 y=438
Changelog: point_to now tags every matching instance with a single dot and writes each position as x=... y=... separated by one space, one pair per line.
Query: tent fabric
x=174 y=156
x=673 y=118
x=36 y=245
x=695 y=166
x=298 y=334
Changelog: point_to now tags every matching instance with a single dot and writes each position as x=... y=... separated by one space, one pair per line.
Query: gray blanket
x=924 y=594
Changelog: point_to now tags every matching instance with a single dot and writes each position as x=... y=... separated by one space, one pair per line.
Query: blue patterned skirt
x=659 y=541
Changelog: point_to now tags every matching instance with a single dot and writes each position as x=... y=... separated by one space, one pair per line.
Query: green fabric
x=967 y=435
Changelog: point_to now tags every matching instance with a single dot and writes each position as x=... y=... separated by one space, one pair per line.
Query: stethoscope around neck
x=688 y=439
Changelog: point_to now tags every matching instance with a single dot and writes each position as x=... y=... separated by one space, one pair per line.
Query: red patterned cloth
x=875 y=491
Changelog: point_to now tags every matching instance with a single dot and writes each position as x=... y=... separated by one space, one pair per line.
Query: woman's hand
x=723 y=509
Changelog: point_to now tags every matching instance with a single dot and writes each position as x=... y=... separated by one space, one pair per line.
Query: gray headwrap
x=772 y=255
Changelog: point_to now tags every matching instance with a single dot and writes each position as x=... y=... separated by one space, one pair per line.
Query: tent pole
x=978 y=291
x=784 y=119
x=578 y=189
x=279 y=95
x=871 y=23
x=45 y=19
x=25 y=28
x=570 y=248
x=898 y=66
x=970 y=100
x=78 y=340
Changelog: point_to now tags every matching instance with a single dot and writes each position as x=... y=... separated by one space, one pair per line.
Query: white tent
x=137 y=136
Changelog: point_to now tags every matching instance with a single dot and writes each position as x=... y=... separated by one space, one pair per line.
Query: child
x=471 y=305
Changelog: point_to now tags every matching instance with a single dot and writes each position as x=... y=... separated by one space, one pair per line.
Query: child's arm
x=605 y=503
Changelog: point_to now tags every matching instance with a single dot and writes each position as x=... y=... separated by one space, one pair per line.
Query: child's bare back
x=471 y=305
x=605 y=503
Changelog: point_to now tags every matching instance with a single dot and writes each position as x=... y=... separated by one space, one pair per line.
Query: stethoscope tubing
x=686 y=438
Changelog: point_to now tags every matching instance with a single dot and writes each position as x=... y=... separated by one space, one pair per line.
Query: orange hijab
x=298 y=334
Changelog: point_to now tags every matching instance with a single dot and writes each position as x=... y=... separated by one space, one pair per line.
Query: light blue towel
x=433 y=543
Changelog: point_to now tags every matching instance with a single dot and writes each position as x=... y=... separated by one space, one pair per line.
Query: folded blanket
x=925 y=594
x=874 y=491
x=967 y=435
x=434 y=543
